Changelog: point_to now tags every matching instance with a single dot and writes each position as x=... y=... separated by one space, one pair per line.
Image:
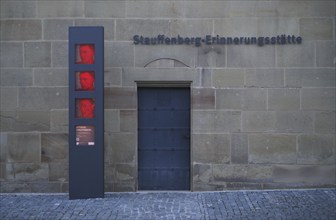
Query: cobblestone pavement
x=275 y=204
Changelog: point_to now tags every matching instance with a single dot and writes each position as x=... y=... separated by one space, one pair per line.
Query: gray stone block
x=112 y=77
x=206 y=78
x=223 y=78
x=131 y=75
x=24 y=147
x=211 y=56
x=20 y=121
x=120 y=98
x=267 y=78
x=318 y=98
x=46 y=9
x=60 y=56
x=241 y=99
x=43 y=98
x=202 y=173
x=252 y=56
x=283 y=99
x=59 y=120
x=16 y=77
x=125 y=172
x=17 y=9
x=54 y=147
x=11 y=54
x=191 y=28
x=316 y=149
x=56 y=29
x=105 y=9
x=128 y=120
x=216 y=121
x=272 y=149
x=203 y=98
x=304 y=174
x=124 y=147
x=37 y=54
x=296 y=55
x=111 y=120
x=145 y=55
x=325 y=122
x=321 y=77
x=239 y=148
x=259 y=173
x=128 y=186
x=59 y=172
x=21 y=30
x=31 y=171
x=51 y=77
x=3 y=147
x=272 y=121
x=326 y=53
x=9 y=98
x=127 y=28
x=108 y=25
x=229 y=173
x=316 y=28
x=118 y=54
x=211 y=148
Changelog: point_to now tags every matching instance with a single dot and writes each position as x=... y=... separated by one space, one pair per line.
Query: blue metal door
x=164 y=138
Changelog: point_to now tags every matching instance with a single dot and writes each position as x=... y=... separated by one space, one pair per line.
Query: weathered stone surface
x=259 y=173
x=9 y=98
x=211 y=148
x=325 y=122
x=229 y=173
x=16 y=77
x=316 y=149
x=43 y=98
x=252 y=57
x=120 y=98
x=118 y=54
x=203 y=98
x=325 y=54
x=267 y=78
x=105 y=9
x=239 y=148
x=321 y=77
x=59 y=120
x=19 y=121
x=17 y=9
x=216 y=121
x=112 y=77
x=54 y=147
x=128 y=120
x=131 y=75
x=144 y=55
x=56 y=29
x=223 y=78
x=3 y=147
x=60 y=9
x=241 y=99
x=123 y=147
x=51 y=77
x=211 y=56
x=11 y=54
x=127 y=28
x=107 y=23
x=296 y=55
x=111 y=120
x=318 y=98
x=202 y=173
x=31 y=171
x=21 y=30
x=2 y=171
x=272 y=149
x=125 y=172
x=37 y=54
x=286 y=121
x=58 y=172
x=124 y=187
x=316 y=28
x=206 y=78
x=283 y=99
x=304 y=174
x=24 y=147
x=60 y=57
x=191 y=28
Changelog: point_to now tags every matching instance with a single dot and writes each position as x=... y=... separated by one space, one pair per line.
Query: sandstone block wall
x=262 y=117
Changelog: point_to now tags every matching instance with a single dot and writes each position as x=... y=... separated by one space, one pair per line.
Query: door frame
x=165 y=84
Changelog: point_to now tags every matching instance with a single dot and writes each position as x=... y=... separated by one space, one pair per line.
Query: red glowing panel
x=85 y=80
x=85 y=108
x=85 y=54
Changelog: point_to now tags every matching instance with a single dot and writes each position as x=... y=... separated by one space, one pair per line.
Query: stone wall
x=262 y=117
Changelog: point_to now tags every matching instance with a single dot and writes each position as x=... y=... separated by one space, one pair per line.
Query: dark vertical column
x=86 y=112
